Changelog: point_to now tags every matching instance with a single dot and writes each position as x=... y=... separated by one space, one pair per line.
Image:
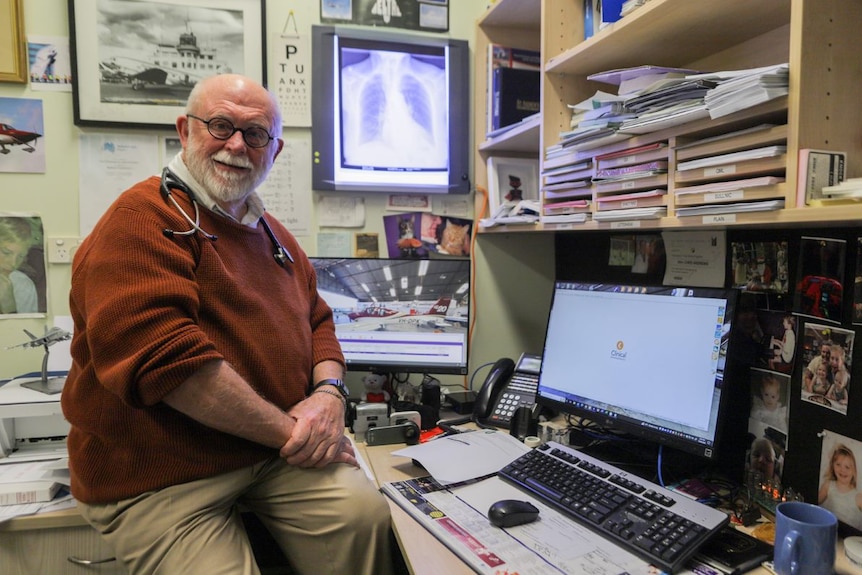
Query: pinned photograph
x=21 y=127
x=22 y=266
x=511 y=180
x=820 y=278
x=827 y=354
x=760 y=266
x=838 y=489
x=770 y=392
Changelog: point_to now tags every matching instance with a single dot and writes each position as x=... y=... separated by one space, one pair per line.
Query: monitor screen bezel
x=631 y=428
x=325 y=130
x=396 y=366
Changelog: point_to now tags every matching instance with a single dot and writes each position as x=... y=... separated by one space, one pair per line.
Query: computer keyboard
x=662 y=527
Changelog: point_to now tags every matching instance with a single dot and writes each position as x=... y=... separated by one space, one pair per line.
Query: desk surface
x=426 y=555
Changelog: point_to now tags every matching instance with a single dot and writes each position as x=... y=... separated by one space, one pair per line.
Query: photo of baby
x=769 y=392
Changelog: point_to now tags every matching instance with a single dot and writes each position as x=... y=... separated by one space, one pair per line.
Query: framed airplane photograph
x=135 y=63
x=13 y=49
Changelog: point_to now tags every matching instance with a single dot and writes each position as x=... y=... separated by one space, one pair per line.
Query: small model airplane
x=51 y=337
x=9 y=136
x=45 y=384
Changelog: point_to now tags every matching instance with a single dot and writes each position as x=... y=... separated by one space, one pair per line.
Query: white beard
x=224 y=187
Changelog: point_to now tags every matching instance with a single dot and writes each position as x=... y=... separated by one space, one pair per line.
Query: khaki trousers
x=327 y=521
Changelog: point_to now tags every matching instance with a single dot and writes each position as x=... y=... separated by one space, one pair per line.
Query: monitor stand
x=47 y=385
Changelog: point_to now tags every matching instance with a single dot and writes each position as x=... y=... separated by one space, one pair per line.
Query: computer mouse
x=511 y=512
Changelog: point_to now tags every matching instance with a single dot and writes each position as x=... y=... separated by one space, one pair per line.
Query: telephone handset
x=507 y=387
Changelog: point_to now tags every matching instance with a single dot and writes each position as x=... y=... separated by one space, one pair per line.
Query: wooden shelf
x=513 y=14
x=522 y=138
x=671 y=33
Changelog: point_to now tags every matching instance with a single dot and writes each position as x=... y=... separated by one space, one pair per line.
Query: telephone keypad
x=520 y=392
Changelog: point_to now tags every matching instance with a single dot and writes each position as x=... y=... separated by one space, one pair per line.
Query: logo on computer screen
x=619 y=351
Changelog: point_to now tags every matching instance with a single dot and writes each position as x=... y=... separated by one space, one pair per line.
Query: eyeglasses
x=222 y=129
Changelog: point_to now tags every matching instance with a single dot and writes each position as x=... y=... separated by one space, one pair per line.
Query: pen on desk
x=449 y=437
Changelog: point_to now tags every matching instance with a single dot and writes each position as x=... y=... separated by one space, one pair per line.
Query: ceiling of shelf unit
x=514 y=14
x=673 y=34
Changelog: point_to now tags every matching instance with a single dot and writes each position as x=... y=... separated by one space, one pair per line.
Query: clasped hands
x=317 y=434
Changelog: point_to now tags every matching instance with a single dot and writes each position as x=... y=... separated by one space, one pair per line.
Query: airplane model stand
x=47 y=385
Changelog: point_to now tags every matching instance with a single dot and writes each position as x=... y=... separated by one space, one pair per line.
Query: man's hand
x=317 y=439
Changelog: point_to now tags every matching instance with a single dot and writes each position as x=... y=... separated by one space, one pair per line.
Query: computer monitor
x=390 y=113
x=399 y=315
x=648 y=361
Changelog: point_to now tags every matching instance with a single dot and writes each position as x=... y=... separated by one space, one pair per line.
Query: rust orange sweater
x=149 y=310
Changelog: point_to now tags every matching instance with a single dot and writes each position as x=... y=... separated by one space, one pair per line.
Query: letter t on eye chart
x=695 y=258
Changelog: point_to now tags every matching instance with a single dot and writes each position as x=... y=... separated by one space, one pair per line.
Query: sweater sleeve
x=141 y=300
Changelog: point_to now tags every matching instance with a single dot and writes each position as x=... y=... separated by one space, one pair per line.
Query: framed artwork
x=13 y=50
x=135 y=63
x=511 y=180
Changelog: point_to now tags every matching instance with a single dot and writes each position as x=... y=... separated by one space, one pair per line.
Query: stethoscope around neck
x=171 y=181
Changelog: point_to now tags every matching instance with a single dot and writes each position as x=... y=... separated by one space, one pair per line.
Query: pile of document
x=29 y=487
x=848 y=189
x=522 y=212
x=742 y=89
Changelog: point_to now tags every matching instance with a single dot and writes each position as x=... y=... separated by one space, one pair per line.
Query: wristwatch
x=336 y=383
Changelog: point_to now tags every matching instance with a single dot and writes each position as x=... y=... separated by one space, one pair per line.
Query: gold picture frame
x=13 y=52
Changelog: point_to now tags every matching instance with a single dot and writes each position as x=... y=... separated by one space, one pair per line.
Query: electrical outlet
x=61 y=249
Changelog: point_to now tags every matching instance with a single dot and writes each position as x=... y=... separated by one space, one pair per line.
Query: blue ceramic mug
x=805 y=537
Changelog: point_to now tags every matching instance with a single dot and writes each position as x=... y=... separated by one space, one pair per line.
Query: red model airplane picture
x=9 y=136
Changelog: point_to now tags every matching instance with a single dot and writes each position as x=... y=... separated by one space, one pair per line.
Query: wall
x=54 y=194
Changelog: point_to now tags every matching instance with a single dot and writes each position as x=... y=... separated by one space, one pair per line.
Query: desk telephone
x=507 y=387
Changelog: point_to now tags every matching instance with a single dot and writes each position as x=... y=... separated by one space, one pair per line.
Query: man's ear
x=278 y=150
x=183 y=129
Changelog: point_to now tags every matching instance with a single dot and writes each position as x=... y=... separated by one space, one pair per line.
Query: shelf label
x=625 y=225
x=728 y=195
x=719 y=171
x=719 y=219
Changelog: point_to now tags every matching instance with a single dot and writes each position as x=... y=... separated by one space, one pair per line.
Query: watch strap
x=336 y=383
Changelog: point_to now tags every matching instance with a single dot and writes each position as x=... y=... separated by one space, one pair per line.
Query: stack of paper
x=847 y=189
x=650 y=213
x=732 y=158
x=741 y=89
x=741 y=207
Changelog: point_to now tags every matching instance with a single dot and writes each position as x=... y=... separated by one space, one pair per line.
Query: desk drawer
x=45 y=551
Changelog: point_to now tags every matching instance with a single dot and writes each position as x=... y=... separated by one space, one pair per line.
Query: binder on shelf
x=817 y=170
x=515 y=93
x=500 y=56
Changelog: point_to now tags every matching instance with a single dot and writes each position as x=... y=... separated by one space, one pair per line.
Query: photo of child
x=769 y=398
x=827 y=353
x=765 y=457
x=22 y=266
x=838 y=490
x=784 y=348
